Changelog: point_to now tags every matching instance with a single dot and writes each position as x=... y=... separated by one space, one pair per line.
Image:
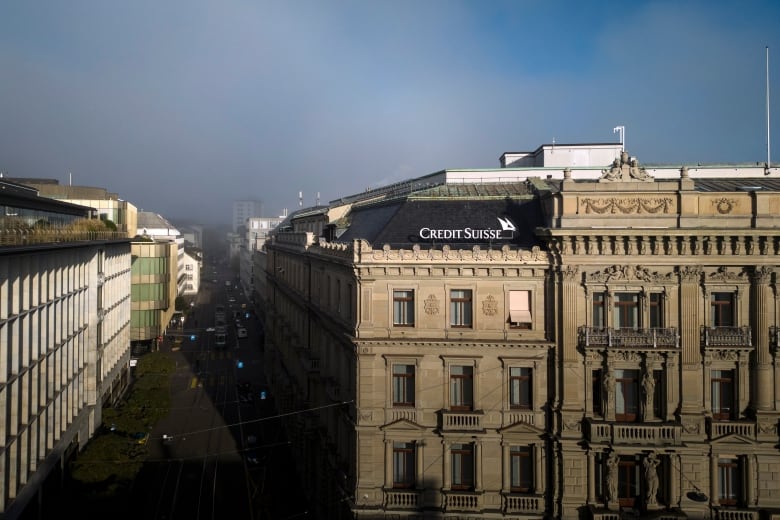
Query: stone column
x=478 y=466
x=760 y=309
x=388 y=463
x=591 y=477
x=571 y=370
x=691 y=398
x=420 y=464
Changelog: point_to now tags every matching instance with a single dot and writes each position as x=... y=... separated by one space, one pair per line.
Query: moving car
x=241 y=332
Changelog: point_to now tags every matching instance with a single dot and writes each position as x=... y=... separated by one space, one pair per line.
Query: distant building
x=244 y=209
x=192 y=267
x=159 y=276
x=65 y=329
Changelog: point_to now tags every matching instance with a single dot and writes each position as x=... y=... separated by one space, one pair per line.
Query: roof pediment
x=733 y=439
x=521 y=428
x=402 y=425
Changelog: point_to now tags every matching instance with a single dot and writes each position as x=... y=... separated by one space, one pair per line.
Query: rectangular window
x=403 y=465
x=722 y=309
x=656 y=310
x=599 y=313
x=461 y=388
x=520 y=384
x=403 y=385
x=626 y=395
x=403 y=308
x=520 y=309
x=460 y=308
x=729 y=482
x=626 y=314
x=521 y=469
x=722 y=385
x=462 y=466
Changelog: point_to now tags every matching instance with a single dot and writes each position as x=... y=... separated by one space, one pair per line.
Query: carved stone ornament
x=627 y=272
x=767 y=427
x=489 y=306
x=690 y=274
x=431 y=305
x=724 y=205
x=626 y=205
x=723 y=274
x=691 y=427
x=625 y=169
x=725 y=355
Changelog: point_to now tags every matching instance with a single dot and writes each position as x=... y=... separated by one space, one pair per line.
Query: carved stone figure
x=648 y=388
x=651 y=478
x=612 y=476
x=609 y=391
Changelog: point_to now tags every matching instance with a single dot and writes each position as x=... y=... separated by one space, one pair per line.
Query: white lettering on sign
x=506 y=232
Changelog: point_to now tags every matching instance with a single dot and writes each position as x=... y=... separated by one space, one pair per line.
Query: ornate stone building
x=574 y=341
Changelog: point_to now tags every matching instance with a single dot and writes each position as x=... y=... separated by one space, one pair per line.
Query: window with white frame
x=460 y=308
x=461 y=388
x=520 y=387
x=520 y=309
x=403 y=308
x=403 y=385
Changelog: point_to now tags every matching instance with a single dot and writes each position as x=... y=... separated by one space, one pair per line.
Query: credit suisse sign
x=506 y=232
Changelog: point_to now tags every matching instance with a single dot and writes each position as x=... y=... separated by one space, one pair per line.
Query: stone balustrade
x=647 y=434
x=461 y=421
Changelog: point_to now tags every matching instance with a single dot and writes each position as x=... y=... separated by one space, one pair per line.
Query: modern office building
x=571 y=335
x=107 y=205
x=244 y=209
x=64 y=336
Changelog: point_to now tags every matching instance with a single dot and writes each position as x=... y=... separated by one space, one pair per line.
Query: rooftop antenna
x=768 y=152
x=318 y=199
x=300 y=199
x=622 y=130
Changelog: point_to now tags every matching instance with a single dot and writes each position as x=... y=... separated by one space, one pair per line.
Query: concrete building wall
x=64 y=324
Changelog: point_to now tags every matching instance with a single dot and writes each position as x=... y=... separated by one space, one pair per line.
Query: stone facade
x=624 y=364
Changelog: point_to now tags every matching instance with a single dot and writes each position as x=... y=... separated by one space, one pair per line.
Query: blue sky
x=182 y=106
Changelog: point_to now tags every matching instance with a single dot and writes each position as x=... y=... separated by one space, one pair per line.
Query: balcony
x=736 y=514
x=461 y=421
x=654 y=338
x=402 y=498
x=645 y=434
x=717 y=429
x=528 y=504
x=462 y=501
x=715 y=337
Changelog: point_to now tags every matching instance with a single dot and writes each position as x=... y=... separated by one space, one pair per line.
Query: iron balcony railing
x=726 y=336
x=655 y=338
